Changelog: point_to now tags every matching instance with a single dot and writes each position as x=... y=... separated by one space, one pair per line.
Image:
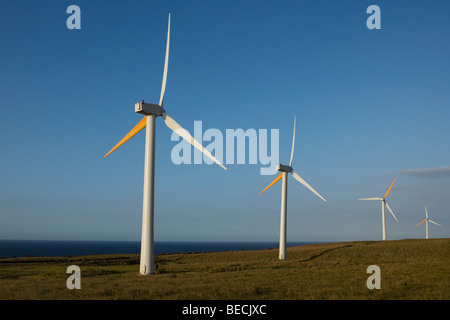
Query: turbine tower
x=384 y=205
x=151 y=112
x=427 y=220
x=284 y=175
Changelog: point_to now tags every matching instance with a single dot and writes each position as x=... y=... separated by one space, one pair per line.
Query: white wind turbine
x=283 y=175
x=426 y=220
x=383 y=205
x=151 y=112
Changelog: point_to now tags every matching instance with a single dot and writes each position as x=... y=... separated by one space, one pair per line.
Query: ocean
x=44 y=248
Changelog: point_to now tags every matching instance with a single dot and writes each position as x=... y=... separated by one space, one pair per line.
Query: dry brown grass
x=410 y=269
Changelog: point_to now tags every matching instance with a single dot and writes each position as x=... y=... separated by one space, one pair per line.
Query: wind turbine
x=384 y=204
x=151 y=112
x=284 y=175
x=426 y=220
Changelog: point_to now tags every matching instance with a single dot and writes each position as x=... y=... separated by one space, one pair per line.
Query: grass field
x=410 y=269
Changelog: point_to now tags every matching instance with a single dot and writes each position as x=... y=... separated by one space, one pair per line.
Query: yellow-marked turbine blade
x=389 y=190
x=141 y=125
x=421 y=222
x=278 y=178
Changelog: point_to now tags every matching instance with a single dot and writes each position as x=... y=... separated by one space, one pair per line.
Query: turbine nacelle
x=283 y=168
x=149 y=108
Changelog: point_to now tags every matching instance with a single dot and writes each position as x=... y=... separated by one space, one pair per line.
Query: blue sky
x=370 y=105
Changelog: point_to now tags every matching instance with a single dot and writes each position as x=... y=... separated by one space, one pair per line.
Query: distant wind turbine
x=283 y=175
x=383 y=205
x=151 y=112
x=427 y=220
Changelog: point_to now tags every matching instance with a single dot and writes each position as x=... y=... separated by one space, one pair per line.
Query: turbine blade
x=426 y=212
x=141 y=125
x=278 y=178
x=303 y=182
x=434 y=223
x=421 y=222
x=166 y=65
x=389 y=208
x=174 y=126
x=293 y=142
x=389 y=190
x=371 y=199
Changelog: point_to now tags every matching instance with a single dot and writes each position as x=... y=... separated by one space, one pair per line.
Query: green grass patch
x=410 y=269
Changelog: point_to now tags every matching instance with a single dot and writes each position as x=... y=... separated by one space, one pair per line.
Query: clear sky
x=370 y=105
